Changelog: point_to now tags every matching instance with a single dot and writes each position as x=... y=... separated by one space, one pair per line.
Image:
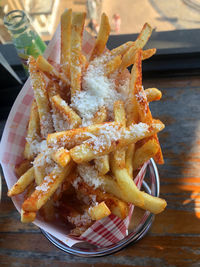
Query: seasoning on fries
x=90 y=130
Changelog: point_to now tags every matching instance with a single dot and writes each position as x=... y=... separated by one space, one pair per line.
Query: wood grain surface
x=174 y=239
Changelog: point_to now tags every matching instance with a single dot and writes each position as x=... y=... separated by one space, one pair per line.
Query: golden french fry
x=102 y=37
x=144 y=153
x=61 y=157
x=126 y=183
x=148 y=53
x=150 y=203
x=129 y=57
x=22 y=183
x=122 y=49
x=153 y=94
x=100 y=116
x=153 y=204
x=140 y=100
x=69 y=114
x=78 y=20
x=144 y=36
x=39 y=87
x=102 y=164
x=99 y=211
x=71 y=138
x=116 y=206
x=66 y=22
x=22 y=167
x=129 y=159
x=120 y=116
x=112 y=139
x=112 y=65
x=40 y=166
x=27 y=216
x=50 y=71
x=33 y=132
x=46 y=189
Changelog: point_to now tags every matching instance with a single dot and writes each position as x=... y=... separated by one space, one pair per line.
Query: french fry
x=122 y=49
x=69 y=114
x=71 y=138
x=39 y=165
x=22 y=167
x=144 y=153
x=27 y=216
x=99 y=211
x=112 y=65
x=100 y=116
x=41 y=196
x=22 y=183
x=126 y=183
x=78 y=20
x=33 y=132
x=116 y=206
x=144 y=36
x=66 y=22
x=50 y=71
x=61 y=157
x=129 y=57
x=109 y=142
x=39 y=87
x=150 y=203
x=102 y=164
x=102 y=37
x=120 y=116
x=140 y=100
x=153 y=94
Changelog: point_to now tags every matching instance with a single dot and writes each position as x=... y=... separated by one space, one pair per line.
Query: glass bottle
x=24 y=37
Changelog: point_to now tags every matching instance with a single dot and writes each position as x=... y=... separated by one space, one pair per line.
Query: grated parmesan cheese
x=98 y=91
x=89 y=175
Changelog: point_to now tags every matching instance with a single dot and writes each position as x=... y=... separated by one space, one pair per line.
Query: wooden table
x=174 y=239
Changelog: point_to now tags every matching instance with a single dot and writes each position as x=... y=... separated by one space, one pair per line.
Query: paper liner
x=102 y=233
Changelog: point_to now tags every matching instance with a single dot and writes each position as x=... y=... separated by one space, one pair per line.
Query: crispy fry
x=112 y=65
x=122 y=49
x=39 y=168
x=33 y=132
x=100 y=116
x=150 y=203
x=26 y=179
x=27 y=216
x=78 y=20
x=71 y=138
x=143 y=36
x=69 y=114
x=102 y=37
x=66 y=21
x=109 y=142
x=102 y=164
x=120 y=116
x=99 y=211
x=50 y=71
x=144 y=153
x=129 y=57
x=61 y=157
x=39 y=87
x=117 y=207
x=153 y=94
x=51 y=183
x=140 y=100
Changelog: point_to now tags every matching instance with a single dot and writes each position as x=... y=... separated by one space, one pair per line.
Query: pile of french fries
x=83 y=169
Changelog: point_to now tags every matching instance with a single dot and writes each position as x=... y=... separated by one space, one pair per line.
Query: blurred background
x=127 y=16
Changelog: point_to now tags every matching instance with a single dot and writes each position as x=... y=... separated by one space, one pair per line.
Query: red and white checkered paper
x=102 y=233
